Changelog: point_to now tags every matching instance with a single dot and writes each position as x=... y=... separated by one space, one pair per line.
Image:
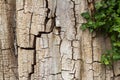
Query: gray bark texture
x=42 y=40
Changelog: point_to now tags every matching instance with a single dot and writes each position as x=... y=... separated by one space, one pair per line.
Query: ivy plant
x=107 y=21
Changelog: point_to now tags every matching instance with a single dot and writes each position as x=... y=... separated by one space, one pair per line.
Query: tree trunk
x=8 y=61
x=42 y=40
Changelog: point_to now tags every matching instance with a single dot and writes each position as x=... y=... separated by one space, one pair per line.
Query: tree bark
x=42 y=40
x=8 y=61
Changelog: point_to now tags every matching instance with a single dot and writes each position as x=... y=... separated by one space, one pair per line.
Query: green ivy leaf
x=116 y=57
x=106 y=19
x=98 y=5
x=84 y=26
x=106 y=62
x=117 y=43
x=86 y=15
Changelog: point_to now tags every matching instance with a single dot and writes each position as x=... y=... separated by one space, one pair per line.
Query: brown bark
x=8 y=61
x=42 y=40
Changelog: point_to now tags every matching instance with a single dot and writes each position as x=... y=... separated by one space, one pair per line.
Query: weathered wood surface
x=8 y=62
x=45 y=40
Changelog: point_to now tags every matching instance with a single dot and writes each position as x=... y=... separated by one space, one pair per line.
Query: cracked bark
x=8 y=61
x=43 y=41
